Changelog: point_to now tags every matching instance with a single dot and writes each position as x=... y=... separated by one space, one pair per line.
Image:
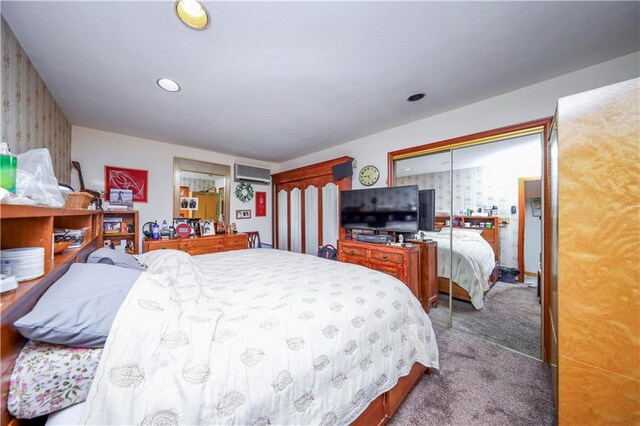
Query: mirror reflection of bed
x=481 y=242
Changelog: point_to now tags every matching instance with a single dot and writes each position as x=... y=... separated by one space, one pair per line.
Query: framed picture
x=188 y=203
x=207 y=227
x=536 y=206
x=261 y=204
x=243 y=214
x=121 y=197
x=131 y=179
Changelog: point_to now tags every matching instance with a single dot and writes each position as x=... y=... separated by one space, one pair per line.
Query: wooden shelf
x=11 y=211
x=131 y=217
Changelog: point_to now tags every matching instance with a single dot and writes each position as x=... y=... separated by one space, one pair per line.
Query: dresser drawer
x=386 y=256
x=235 y=242
x=394 y=271
x=353 y=251
x=163 y=245
x=200 y=250
x=356 y=260
x=187 y=244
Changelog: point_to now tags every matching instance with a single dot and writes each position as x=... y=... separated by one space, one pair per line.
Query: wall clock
x=244 y=192
x=368 y=175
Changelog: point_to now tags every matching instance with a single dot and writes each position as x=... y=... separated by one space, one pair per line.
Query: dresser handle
x=351 y=252
x=385 y=257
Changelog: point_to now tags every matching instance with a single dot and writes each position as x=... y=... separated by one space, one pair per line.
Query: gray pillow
x=79 y=308
x=114 y=257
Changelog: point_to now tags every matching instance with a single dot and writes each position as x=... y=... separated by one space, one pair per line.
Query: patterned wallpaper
x=31 y=118
x=476 y=187
x=198 y=184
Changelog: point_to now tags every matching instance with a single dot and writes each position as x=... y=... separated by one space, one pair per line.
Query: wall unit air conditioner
x=251 y=174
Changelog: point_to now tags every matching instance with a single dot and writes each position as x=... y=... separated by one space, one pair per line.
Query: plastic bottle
x=155 y=231
x=8 y=167
x=165 y=228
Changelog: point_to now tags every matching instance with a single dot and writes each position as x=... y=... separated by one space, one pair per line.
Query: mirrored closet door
x=489 y=230
x=496 y=191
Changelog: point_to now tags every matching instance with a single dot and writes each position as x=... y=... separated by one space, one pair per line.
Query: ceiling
x=277 y=80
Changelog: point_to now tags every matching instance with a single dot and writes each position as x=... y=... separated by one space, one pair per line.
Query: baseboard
x=530 y=274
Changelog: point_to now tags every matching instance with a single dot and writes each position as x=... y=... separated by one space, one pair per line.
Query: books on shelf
x=118 y=208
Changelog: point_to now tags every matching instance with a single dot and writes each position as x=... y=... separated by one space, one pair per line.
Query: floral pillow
x=47 y=378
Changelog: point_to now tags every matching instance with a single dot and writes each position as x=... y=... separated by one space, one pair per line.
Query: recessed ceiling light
x=193 y=14
x=415 y=97
x=407 y=169
x=168 y=85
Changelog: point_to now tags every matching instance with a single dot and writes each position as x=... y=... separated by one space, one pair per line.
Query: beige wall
x=31 y=118
x=599 y=256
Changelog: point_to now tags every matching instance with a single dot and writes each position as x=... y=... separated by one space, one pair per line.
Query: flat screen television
x=380 y=209
x=427 y=208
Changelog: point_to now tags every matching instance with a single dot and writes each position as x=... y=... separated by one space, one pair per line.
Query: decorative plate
x=183 y=230
x=244 y=192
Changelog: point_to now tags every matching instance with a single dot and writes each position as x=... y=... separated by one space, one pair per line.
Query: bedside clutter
x=199 y=245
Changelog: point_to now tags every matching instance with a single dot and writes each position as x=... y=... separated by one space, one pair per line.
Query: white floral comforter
x=256 y=337
x=473 y=261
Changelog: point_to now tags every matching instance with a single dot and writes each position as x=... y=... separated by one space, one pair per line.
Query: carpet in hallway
x=510 y=317
x=479 y=383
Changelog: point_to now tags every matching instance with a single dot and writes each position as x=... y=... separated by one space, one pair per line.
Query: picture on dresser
x=207 y=227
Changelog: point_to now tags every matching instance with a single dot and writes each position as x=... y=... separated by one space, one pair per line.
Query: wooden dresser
x=199 y=245
x=428 y=273
x=400 y=262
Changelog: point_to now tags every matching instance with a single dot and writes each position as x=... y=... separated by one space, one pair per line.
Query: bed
x=475 y=269
x=259 y=337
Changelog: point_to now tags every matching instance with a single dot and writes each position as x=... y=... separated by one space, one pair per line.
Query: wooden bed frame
x=461 y=293
x=33 y=226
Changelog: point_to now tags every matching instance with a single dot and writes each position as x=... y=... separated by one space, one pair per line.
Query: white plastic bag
x=35 y=178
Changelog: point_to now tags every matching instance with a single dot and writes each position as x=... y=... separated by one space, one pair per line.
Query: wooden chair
x=253 y=240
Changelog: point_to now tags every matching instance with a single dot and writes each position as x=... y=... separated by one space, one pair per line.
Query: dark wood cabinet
x=400 y=262
x=428 y=273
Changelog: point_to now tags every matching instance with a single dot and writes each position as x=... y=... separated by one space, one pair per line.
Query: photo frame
x=121 y=197
x=536 y=206
x=207 y=227
x=131 y=179
x=243 y=214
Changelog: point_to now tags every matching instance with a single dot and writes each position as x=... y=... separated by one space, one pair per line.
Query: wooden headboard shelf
x=30 y=226
x=491 y=235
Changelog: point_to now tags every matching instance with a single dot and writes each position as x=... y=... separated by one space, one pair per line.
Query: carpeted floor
x=510 y=317
x=479 y=383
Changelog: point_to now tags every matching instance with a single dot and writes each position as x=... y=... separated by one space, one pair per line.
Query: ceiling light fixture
x=168 y=85
x=193 y=14
x=416 y=97
x=407 y=169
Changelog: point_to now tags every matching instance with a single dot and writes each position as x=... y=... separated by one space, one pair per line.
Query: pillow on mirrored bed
x=47 y=378
x=116 y=258
x=79 y=308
